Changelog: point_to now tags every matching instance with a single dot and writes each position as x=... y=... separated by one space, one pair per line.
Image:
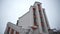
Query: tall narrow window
x=39 y=7
x=12 y=31
x=8 y=30
x=34 y=11
x=17 y=32
x=41 y=17
x=35 y=23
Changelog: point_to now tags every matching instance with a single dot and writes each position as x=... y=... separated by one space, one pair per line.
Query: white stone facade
x=33 y=22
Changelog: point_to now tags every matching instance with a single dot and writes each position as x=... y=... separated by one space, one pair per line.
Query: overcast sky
x=11 y=10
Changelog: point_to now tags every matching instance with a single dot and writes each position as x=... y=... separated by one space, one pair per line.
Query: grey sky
x=11 y=10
